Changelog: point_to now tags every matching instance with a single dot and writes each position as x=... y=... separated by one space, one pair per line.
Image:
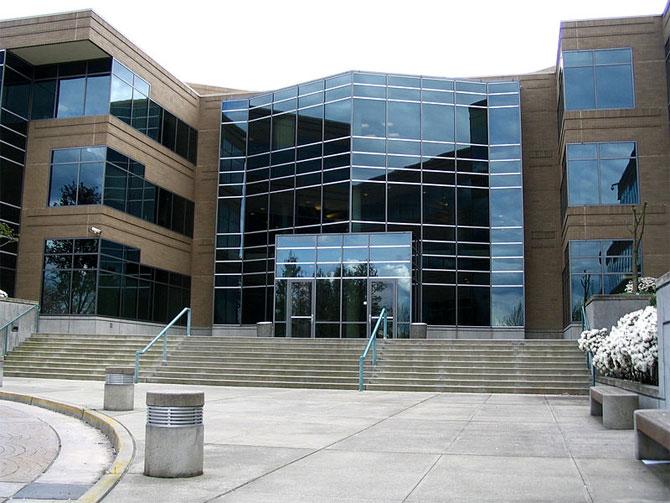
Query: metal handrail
x=589 y=356
x=372 y=343
x=163 y=333
x=4 y=328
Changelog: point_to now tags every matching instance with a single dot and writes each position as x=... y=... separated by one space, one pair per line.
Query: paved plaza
x=326 y=445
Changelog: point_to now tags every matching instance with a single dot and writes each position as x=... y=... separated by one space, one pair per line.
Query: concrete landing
x=299 y=445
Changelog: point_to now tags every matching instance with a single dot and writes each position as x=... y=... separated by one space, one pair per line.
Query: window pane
x=121 y=100
x=439 y=305
x=328 y=299
x=281 y=210
x=404 y=203
x=83 y=292
x=233 y=140
x=97 y=95
x=115 y=187
x=504 y=125
x=308 y=206
x=256 y=213
x=337 y=122
x=283 y=131
x=335 y=202
x=506 y=208
x=369 y=118
x=368 y=201
x=507 y=307
x=614 y=86
x=438 y=205
x=474 y=306
x=473 y=207
x=259 y=136
x=90 y=183
x=354 y=298
x=310 y=125
x=582 y=183
x=438 y=122
x=579 y=88
x=44 y=99
x=404 y=120
x=71 y=97
x=618 y=182
x=471 y=125
x=63 y=190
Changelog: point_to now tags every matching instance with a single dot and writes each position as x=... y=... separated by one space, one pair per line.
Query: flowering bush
x=645 y=284
x=630 y=350
x=590 y=340
x=3 y=294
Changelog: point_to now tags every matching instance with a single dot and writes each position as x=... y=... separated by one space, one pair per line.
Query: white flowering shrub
x=3 y=294
x=646 y=284
x=630 y=350
x=590 y=340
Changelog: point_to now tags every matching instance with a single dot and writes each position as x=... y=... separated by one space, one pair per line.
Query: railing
x=164 y=334
x=372 y=344
x=4 y=329
x=589 y=356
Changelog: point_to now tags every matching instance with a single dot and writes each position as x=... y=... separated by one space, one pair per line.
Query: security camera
x=95 y=230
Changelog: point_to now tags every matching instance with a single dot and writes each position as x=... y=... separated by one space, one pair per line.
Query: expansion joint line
x=316 y=451
x=567 y=449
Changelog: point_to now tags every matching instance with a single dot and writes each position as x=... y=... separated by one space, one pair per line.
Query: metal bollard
x=175 y=435
x=119 y=388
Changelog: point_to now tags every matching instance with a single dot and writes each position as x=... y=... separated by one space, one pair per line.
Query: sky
x=259 y=45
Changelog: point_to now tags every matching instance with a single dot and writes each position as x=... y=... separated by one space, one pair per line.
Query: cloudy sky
x=267 y=44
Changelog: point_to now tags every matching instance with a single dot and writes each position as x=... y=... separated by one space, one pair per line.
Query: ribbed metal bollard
x=174 y=435
x=119 y=388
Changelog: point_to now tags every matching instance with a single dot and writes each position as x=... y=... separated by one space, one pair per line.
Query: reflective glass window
x=369 y=118
x=437 y=122
x=71 y=97
x=404 y=120
x=368 y=201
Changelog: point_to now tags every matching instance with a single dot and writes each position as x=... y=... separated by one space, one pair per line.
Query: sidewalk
x=46 y=456
x=326 y=445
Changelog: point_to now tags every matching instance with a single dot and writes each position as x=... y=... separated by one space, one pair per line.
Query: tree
x=7 y=235
x=637 y=230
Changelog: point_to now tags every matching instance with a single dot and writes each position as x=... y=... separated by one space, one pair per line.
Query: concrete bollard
x=175 y=435
x=264 y=329
x=418 y=331
x=119 y=388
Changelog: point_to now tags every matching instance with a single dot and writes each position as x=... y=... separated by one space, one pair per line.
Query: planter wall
x=663 y=306
x=604 y=311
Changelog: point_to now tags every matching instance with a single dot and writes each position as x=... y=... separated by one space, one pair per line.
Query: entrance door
x=382 y=294
x=300 y=308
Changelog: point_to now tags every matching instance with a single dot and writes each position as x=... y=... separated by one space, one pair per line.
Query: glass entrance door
x=382 y=294
x=300 y=308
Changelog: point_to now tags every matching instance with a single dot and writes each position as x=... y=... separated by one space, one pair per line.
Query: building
x=484 y=207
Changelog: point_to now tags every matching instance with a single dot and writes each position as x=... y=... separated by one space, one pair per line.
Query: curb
x=118 y=435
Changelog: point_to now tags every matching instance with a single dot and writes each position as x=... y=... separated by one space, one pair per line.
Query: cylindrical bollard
x=418 y=331
x=119 y=388
x=264 y=329
x=175 y=435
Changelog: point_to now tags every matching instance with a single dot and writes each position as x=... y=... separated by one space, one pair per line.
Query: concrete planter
x=264 y=329
x=604 y=311
x=663 y=305
x=649 y=395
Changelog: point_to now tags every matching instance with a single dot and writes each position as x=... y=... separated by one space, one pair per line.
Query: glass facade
x=375 y=153
x=101 y=175
x=598 y=79
x=335 y=285
x=600 y=173
x=100 y=277
x=594 y=267
x=98 y=87
x=14 y=115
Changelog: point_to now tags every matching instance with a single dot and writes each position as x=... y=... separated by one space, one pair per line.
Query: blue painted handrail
x=163 y=333
x=372 y=344
x=4 y=329
x=589 y=356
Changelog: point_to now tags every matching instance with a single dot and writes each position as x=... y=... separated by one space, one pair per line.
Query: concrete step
x=220 y=376
x=560 y=389
x=351 y=373
x=483 y=375
x=251 y=383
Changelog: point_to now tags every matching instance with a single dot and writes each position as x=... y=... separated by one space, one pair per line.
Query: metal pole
x=188 y=322
x=137 y=366
x=361 y=370
x=374 y=349
x=386 y=319
x=165 y=336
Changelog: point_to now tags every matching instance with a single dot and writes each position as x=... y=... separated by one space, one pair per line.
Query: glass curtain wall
x=365 y=152
x=15 y=81
x=100 y=277
x=101 y=175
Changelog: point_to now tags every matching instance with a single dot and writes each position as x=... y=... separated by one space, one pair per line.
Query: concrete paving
x=46 y=456
x=298 y=445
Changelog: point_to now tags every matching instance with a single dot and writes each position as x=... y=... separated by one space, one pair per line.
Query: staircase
x=524 y=366
x=482 y=366
x=64 y=356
